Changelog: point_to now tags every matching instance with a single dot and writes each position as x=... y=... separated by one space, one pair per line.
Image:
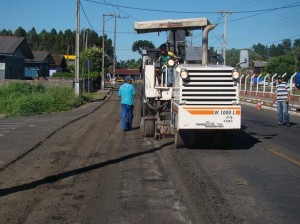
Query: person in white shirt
x=282 y=98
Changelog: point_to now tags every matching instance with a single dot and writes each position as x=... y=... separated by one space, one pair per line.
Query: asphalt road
x=79 y=167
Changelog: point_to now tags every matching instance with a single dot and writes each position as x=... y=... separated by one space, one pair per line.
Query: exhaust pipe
x=205 y=43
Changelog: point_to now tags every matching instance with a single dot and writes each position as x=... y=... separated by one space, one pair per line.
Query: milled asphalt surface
x=33 y=131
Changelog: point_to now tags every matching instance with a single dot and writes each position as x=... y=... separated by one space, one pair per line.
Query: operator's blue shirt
x=126 y=92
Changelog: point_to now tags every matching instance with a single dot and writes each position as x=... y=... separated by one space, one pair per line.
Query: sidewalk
x=266 y=100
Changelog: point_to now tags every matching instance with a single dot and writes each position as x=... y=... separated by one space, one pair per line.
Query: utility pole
x=115 y=40
x=103 y=49
x=224 y=39
x=76 y=85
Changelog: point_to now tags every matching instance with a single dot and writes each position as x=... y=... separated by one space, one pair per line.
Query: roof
x=121 y=71
x=59 y=59
x=41 y=56
x=169 y=24
x=260 y=64
x=10 y=44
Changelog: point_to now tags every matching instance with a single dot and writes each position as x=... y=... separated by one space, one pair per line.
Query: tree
x=5 y=32
x=44 y=41
x=69 y=37
x=20 y=32
x=281 y=64
x=296 y=53
x=93 y=54
x=261 y=50
x=287 y=44
x=232 y=57
x=139 y=45
x=32 y=39
x=296 y=43
x=129 y=64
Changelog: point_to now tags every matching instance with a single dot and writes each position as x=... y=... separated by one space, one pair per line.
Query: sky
x=248 y=22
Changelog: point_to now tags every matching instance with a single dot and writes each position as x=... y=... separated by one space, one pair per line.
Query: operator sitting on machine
x=163 y=59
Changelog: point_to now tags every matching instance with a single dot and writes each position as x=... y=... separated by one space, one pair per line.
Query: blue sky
x=250 y=21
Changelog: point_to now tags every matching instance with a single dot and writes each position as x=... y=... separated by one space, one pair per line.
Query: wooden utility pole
x=115 y=40
x=224 y=38
x=76 y=85
x=103 y=49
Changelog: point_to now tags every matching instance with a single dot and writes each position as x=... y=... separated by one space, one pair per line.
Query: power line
x=193 y=12
x=122 y=11
x=86 y=16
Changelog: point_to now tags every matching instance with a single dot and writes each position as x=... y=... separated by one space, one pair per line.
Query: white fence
x=255 y=86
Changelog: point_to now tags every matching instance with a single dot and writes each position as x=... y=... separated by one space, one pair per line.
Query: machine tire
x=179 y=143
x=149 y=128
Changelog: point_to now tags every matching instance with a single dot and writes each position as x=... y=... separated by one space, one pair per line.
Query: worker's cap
x=279 y=77
x=127 y=78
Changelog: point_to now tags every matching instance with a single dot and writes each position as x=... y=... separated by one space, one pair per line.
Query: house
x=60 y=64
x=13 y=52
x=121 y=73
x=39 y=66
x=70 y=59
x=258 y=67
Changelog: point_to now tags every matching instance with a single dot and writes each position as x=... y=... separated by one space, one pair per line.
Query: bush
x=23 y=99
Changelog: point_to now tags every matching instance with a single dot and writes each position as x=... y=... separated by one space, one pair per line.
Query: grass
x=24 y=99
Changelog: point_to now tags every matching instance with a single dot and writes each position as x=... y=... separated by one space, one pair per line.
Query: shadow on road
x=60 y=176
x=236 y=140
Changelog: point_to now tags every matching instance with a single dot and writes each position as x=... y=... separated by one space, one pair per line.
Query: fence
x=255 y=89
x=264 y=86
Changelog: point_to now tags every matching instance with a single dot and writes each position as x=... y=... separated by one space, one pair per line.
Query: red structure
x=121 y=73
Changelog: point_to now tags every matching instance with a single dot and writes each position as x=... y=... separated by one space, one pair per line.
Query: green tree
x=129 y=64
x=296 y=43
x=281 y=64
x=5 y=32
x=93 y=54
x=69 y=38
x=32 y=39
x=232 y=57
x=261 y=50
x=20 y=32
x=287 y=44
x=44 y=41
x=139 y=45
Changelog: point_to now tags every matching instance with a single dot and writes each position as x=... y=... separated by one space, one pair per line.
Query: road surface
x=89 y=171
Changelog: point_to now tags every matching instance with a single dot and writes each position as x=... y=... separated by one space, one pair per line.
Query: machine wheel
x=179 y=143
x=149 y=128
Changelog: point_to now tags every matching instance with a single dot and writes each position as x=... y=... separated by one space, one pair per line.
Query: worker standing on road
x=127 y=92
x=282 y=97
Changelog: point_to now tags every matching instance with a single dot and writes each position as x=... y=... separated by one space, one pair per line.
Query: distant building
x=13 y=52
x=70 y=59
x=259 y=67
x=39 y=66
x=121 y=73
x=60 y=64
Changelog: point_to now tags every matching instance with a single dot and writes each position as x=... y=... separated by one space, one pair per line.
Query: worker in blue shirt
x=127 y=92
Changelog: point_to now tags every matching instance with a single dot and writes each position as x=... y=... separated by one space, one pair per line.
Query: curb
x=294 y=108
